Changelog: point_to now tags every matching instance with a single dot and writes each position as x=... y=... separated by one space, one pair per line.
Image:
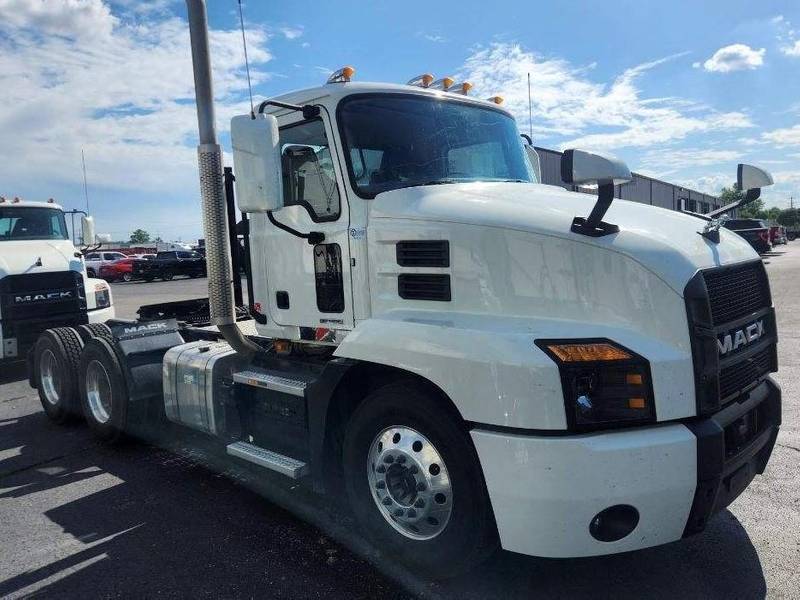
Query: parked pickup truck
x=167 y=265
x=756 y=232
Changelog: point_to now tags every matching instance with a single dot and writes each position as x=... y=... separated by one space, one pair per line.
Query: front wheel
x=91 y=273
x=415 y=484
x=127 y=277
x=167 y=275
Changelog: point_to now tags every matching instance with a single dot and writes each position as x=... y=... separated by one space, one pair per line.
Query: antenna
x=530 y=110
x=85 y=187
x=246 y=62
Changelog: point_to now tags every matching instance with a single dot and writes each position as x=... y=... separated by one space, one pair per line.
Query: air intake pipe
x=209 y=154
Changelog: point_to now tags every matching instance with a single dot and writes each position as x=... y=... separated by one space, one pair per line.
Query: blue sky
x=680 y=90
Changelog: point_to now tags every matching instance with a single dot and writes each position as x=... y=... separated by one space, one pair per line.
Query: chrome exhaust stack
x=209 y=155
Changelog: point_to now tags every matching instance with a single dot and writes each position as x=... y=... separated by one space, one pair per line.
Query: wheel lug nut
x=401 y=459
x=421 y=487
x=381 y=469
x=388 y=459
x=387 y=501
x=380 y=485
x=420 y=503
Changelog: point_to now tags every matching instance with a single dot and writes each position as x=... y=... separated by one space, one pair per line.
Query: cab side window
x=309 y=178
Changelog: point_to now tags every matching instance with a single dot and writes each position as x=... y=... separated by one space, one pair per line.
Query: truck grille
x=41 y=295
x=725 y=306
x=735 y=292
x=741 y=375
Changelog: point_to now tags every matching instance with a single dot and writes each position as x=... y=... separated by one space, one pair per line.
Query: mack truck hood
x=665 y=242
x=21 y=257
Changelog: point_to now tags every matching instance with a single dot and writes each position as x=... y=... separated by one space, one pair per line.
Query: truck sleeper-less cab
x=455 y=351
x=43 y=280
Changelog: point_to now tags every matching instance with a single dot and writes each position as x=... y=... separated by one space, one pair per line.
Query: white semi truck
x=455 y=350
x=43 y=281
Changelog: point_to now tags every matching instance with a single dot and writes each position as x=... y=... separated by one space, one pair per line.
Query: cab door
x=309 y=285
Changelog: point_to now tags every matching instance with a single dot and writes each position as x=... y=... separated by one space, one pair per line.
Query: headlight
x=605 y=385
x=102 y=296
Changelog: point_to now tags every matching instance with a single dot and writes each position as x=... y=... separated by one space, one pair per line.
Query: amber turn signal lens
x=636 y=403
x=633 y=379
x=570 y=353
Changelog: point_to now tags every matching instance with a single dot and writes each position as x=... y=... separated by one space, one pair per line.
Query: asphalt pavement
x=168 y=519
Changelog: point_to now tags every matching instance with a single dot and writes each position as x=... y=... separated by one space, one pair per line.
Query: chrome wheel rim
x=409 y=482
x=48 y=375
x=98 y=391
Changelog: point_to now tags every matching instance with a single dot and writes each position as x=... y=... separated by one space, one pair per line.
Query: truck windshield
x=394 y=141
x=27 y=223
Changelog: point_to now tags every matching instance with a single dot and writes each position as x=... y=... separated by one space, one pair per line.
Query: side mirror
x=750 y=180
x=257 y=163
x=533 y=157
x=586 y=168
x=87 y=227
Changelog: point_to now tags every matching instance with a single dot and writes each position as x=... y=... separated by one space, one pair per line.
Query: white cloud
x=787 y=136
x=670 y=160
x=68 y=18
x=568 y=104
x=736 y=57
x=792 y=49
x=434 y=37
x=124 y=93
x=291 y=33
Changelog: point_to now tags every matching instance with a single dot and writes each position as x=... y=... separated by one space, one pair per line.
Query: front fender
x=493 y=372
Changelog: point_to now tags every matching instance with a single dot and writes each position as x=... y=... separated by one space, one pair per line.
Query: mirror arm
x=313 y=237
x=593 y=225
x=309 y=111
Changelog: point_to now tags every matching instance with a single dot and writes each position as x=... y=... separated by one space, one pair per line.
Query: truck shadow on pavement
x=140 y=521
x=16 y=371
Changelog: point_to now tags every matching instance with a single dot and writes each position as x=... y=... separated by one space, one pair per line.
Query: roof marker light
x=423 y=80
x=463 y=88
x=445 y=83
x=343 y=75
x=2 y=199
x=50 y=200
x=495 y=99
x=16 y=199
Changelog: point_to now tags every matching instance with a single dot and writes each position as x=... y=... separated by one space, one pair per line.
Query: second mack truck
x=463 y=356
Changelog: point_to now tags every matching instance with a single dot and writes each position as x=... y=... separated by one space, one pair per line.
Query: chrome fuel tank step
x=273 y=461
x=275 y=383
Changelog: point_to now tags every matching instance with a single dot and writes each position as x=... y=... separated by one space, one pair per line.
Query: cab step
x=285 y=465
x=271 y=382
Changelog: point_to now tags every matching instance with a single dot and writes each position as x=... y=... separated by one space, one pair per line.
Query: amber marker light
x=589 y=352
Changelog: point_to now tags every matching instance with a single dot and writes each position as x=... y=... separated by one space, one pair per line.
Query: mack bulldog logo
x=741 y=337
x=42 y=297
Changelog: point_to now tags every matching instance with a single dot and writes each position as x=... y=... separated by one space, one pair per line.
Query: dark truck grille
x=736 y=292
x=33 y=302
x=732 y=328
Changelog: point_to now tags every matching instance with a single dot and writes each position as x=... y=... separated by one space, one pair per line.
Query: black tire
x=91 y=273
x=55 y=372
x=148 y=278
x=127 y=277
x=470 y=535
x=167 y=275
x=98 y=358
x=92 y=330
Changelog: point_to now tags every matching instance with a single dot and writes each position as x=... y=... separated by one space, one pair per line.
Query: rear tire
x=103 y=390
x=167 y=275
x=430 y=508
x=92 y=330
x=91 y=273
x=55 y=368
x=127 y=277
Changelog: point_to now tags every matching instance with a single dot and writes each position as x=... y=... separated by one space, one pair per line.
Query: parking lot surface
x=81 y=519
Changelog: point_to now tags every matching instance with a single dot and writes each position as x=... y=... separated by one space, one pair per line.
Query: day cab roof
x=330 y=94
x=19 y=203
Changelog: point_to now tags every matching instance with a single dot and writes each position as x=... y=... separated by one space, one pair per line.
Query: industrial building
x=646 y=190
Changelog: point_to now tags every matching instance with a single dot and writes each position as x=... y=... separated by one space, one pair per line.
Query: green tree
x=754 y=210
x=789 y=217
x=140 y=236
